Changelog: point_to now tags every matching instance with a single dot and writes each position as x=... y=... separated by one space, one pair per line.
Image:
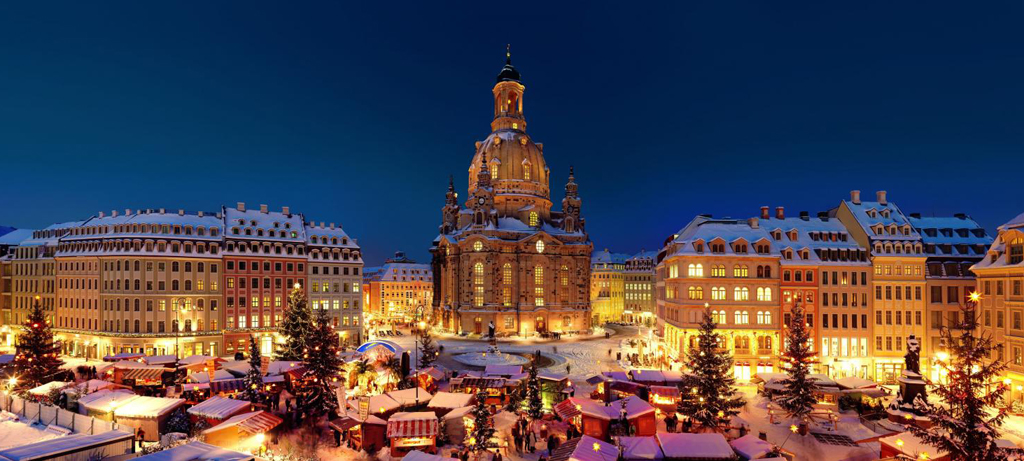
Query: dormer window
x=1016 y=251
x=792 y=235
x=871 y=213
x=534 y=220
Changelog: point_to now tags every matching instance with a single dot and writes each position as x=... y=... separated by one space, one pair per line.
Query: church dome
x=516 y=164
x=508 y=73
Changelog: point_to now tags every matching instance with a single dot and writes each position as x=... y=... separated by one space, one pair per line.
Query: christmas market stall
x=108 y=445
x=246 y=431
x=585 y=448
x=909 y=446
x=359 y=434
x=554 y=389
x=138 y=375
x=412 y=431
x=216 y=410
x=640 y=448
x=629 y=416
x=428 y=378
x=445 y=402
x=695 y=447
x=496 y=388
x=750 y=447
x=196 y=451
x=123 y=356
x=455 y=423
x=379 y=405
x=665 y=398
x=45 y=389
x=101 y=403
x=147 y=413
x=410 y=398
x=421 y=456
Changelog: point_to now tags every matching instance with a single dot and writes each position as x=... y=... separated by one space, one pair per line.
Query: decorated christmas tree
x=37 y=360
x=428 y=350
x=798 y=390
x=711 y=375
x=253 y=391
x=322 y=364
x=483 y=426
x=965 y=423
x=296 y=326
x=534 y=404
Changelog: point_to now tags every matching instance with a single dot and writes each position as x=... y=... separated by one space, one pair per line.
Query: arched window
x=742 y=317
x=760 y=272
x=1016 y=250
x=188 y=325
x=526 y=171
x=478 y=284
x=565 y=276
x=506 y=280
x=767 y=272
x=741 y=294
x=494 y=171
x=764 y=294
x=695 y=270
x=478 y=245
x=718 y=293
x=696 y=292
x=534 y=220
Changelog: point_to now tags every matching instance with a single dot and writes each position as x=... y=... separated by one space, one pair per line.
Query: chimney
x=780 y=213
x=855 y=197
x=263 y=208
x=823 y=215
x=754 y=224
x=101 y=214
x=113 y=213
x=880 y=195
x=960 y=215
x=163 y=210
x=915 y=215
x=181 y=212
x=241 y=206
x=322 y=224
x=286 y=210
x=805 y=215
x=127 y=211
x=332 y=225
x=200 y=214
x=764 y=212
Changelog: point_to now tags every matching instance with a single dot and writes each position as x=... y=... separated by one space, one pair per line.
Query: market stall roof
x=390 y=346
x=197 y=451
x=123 y=356
x=45 y=389
x=596 y=379
x=433 y=372
x=635 y=407
x=148 y=407
x=415 y=424
x=620 y=375
x=585 y=448
x=256 y=422
x=160 y=359
x=421 y=456
x=378 y=404
x=570 y=407
x=912 y=445
x=504 y=420
x=484 y=383
x=458 y=412
x=410 y=397
x=695 y=446
x=640 y=448
x=503 y=370
x=145 y=373
x=54 y=448
x=92 y=385
x=204 y=377
x=596 y=409
x=647 y=376
x=751 y=447
x=197 y=359
x=227 y=385
x=101 y=400
x=853 y=382
x=623 y=386
x=552 y=376
x=666 y=391
x=6 y=358
x=217 y=407
x=450 y=400
x=195 y=386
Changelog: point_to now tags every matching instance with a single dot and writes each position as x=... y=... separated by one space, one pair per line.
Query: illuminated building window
x=526 y=171
x=673 y=271
x=494 y=171
x=534 y=221
x=565 y=276
x=764 y=318
x=478 y=245
x=538 y=285
x=1016 y=250
x=741 y=294
x=478 y=284
x=764 y=294
x=540 y=246
x=696 y=292
x=737 y=271
x=718 y=293
x=695 y=270
x=742 y=317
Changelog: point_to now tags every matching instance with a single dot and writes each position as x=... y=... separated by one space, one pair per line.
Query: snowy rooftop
x=147 y=407
x=703 y=230
x=751 y=447
x=197 y=451
x=217 y=407
x=637 y=448
x=450 y=400
x=958 y=235
x=912 y=445
x=607 y=257
x=398 y=272
x=101 y=400
x=695 y=446
x=15 y=236
x=585 y=448
x=328 y=235
x=50 y=449
x=884 y=214
x=410 y=397
x=263 y=224
x=818 y=235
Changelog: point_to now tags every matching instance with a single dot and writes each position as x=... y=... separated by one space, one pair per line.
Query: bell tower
x=508 y=98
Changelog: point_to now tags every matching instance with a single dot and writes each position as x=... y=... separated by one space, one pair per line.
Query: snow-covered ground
x=16 y=434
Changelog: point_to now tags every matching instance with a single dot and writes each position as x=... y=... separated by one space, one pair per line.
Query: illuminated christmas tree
x=37 y=360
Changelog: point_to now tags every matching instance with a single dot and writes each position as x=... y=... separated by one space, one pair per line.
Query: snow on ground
x=16 y=434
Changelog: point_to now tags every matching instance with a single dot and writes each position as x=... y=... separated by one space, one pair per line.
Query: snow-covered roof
x=150 y=224
x=217 y=407
x=956 y=236
x=197 y=451
x=872 y=214
x=825 y=240
x=250 y=223
x=503 y=370
x=607 y=257
x=751 y=447
x=695 y=446
x=585 y=448
x=50 y=235
x=102 y=399
x=703 y=230
x=640 y=448
x=204 y=377
x=45 y=389
x=380 y=403
x=254 y=422
x=92 y=385
x=410 y=397
x=15 y=237
x=50 y=449
x=450 y=400
x=421 y=456
x=148 y=407
x=912 y=445
x=398 y=272
x=318 y=234
x=853 y=382
x=458 y=412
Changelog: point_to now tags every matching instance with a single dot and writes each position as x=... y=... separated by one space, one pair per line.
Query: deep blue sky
x=357 y=112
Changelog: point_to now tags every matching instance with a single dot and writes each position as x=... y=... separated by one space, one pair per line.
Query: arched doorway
x=478 y=325
x=540 y=325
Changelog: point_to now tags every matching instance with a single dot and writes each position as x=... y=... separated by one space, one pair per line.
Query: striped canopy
x=419 y=424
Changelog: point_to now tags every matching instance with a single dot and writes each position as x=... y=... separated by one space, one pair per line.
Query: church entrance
x=541 y=326
x=478 y=325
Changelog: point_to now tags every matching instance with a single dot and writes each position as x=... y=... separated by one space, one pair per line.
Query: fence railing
x=47 y=415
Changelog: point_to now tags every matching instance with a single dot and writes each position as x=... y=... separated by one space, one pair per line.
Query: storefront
x=412 y=432
x=888 y=371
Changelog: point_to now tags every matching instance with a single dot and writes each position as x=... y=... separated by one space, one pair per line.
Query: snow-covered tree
x=316 y=394
x=966 y=422
x=179 y=422
x=37 y=360
x=711 y=375
x=534 y=404
x=253 y=391
x=797 y=396
x=483 y=426
x=296 y=325
x=428 y=350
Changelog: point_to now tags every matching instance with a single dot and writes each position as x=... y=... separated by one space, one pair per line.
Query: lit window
x=741 y=294
x=718 y=293
x=538 y=285
x=764 y=294
x=478 y=284
x=540 y=246
x=696 y=292
x=695 y=270
x=494 y=171
x=478 y=245
x=534 y=221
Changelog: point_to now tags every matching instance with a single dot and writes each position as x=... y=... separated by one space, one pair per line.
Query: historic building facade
x=401 y=290
x=506 y=258
x=607 y=287
x=1000 y=281
x=641 y=306
x=732 y=267
x=160 y=282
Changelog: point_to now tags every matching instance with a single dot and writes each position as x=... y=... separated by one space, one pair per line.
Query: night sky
x=357 y=112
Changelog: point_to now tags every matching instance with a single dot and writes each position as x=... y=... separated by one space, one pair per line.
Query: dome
x=508 y=73
x=520 y=164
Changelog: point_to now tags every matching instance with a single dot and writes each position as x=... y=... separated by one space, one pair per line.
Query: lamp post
x=178 y=310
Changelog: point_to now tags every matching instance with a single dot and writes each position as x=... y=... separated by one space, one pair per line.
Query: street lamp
x=178 y=327
x=113 y=408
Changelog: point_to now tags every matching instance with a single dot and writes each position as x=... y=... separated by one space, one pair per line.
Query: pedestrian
x=567 y=368
x=140 y=437
x=552 y=443
x=497 y=456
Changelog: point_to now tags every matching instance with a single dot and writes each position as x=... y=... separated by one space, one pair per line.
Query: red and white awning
x=419 y=424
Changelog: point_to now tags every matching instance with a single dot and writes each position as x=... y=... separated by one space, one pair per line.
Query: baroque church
x=505 y=261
